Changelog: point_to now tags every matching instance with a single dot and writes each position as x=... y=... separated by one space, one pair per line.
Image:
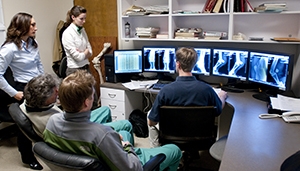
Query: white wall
x=46 y=13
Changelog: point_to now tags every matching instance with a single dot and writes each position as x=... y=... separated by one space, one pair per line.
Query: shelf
x=202 y=40
x=200 y=14
x=251 y=24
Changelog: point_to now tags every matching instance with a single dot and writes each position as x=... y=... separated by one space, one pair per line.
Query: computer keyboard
x=158 y=86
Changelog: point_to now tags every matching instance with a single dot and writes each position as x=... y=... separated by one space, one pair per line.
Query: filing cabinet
x=120 y=102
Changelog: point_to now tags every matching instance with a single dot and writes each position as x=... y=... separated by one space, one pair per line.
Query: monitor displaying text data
x=128 y=61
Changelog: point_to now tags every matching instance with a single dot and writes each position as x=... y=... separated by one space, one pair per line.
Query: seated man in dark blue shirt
x=185 y=91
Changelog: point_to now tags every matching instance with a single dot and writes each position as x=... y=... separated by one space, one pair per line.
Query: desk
x=254 y=143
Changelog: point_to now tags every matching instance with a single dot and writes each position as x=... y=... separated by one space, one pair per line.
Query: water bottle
x=127 y=30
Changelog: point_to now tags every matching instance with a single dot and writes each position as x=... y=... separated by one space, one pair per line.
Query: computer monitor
x=230 y=63
x=202 y=66
x=128 y=61
x=271 y=69
x=159 y=59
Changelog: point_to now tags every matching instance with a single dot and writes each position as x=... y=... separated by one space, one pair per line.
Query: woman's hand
x=19 y=95
x=87 y=53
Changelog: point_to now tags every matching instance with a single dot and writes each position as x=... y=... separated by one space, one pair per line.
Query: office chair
x=7 y=126
x=191 y=128
x=58 y=160
x=4 y=114
x=62 y=68
x=217 y=149
x=23 y=122
x=291 y=163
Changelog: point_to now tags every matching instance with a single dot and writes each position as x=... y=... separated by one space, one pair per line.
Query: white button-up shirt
x=75 y=44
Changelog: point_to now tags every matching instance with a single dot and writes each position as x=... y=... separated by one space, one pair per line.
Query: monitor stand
x=231 y=89
x=164 y=78
x=230 y=86
x=264 y=95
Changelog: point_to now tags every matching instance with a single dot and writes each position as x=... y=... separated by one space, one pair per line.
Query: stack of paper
x=147 y=32
x=285 y=103
x=271 y=7
x=132 y=85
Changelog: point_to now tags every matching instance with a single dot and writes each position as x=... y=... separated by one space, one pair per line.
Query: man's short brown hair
x=187 y=58
x=75 y=89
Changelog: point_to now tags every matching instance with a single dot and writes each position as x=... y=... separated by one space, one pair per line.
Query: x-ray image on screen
x=159 y=59
x=202 y=65
x=269 y=69
x=230 y=63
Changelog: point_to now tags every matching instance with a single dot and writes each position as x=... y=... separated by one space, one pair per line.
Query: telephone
x=291 y=116
x=286 y=116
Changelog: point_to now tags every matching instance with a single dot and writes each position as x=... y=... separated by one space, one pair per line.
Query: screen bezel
x=227 y=75
x=132 y=71
x=173 y=48
x=289 y=74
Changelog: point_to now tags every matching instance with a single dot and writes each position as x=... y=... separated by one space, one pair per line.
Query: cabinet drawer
x=113 y=94
x=113 y=105
x=116 y=115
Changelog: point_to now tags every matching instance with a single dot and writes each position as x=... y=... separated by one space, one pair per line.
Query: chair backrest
x=23 y=122
x=189 y=127
x=4 y=114
x=58 y=160
x=62 y=68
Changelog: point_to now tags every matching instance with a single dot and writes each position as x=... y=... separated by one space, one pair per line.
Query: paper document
x=217 y=90
x=132 y=85
x=285 y=103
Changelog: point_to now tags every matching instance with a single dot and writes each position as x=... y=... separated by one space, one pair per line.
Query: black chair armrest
x=154 y=162
x=66 y=160
x=291 y=163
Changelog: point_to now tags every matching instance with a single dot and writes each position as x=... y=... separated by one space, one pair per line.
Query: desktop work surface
x=253 y=143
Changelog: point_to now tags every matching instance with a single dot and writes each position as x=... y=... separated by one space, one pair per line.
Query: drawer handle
x=112 y=106
x=114 y=118
x=112 y=95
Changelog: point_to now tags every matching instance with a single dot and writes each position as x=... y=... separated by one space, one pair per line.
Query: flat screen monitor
x=271 y=69
x=159 y=59
x=230 y=63
x=128 y=61
x=202 y=65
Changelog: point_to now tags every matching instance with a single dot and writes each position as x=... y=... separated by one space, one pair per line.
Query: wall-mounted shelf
x=252 y=24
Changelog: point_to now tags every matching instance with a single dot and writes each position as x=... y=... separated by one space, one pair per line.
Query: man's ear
x=178 y=64
x=86 y=102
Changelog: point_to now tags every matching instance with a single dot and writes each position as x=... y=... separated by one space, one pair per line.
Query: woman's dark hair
x=18 y=27
x=75 y=11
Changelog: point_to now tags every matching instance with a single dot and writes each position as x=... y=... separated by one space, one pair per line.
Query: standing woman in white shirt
x=75 y=41
x=20 y=52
